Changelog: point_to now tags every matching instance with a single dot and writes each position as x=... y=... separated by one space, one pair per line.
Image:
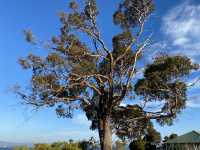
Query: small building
x=188 y=141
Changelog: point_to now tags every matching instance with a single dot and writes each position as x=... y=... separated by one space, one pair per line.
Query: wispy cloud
x=181 y=27
x=181 y=35
x=193 y=102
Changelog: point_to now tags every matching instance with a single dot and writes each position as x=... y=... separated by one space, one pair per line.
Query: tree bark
x=105 y=134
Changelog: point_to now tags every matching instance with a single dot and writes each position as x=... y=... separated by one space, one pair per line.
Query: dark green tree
x=89 y=144
x=137 y=145
x=152 y=135
x=97 y=79
x=166 y=138
x=173 y=135
x=148 y=140
x=84 y=144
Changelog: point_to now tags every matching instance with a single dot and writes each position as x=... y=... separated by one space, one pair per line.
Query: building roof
x=188 y=138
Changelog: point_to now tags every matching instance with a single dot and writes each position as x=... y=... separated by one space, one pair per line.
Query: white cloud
x=181 y=27
x=193 y=103
x=181 y=41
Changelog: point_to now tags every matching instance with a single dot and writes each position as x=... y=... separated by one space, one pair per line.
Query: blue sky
x=176 y=29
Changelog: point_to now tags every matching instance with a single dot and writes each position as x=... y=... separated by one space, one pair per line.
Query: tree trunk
x=105 y=134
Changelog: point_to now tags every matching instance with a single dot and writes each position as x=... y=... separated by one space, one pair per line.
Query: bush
x=71 y=146
x=137 y=145
x=42 y=147
x=21 y=148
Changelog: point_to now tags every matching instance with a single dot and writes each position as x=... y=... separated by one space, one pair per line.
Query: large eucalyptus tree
x=96 y=78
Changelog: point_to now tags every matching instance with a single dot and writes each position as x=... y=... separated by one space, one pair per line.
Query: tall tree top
x=97 y=79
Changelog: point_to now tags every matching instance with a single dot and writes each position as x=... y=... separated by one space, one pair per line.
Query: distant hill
x=6 y=148
x=4 y=144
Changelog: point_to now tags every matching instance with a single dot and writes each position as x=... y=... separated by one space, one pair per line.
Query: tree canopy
x=98 y=79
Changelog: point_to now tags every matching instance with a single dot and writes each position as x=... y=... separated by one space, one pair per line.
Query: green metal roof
x=188 y=138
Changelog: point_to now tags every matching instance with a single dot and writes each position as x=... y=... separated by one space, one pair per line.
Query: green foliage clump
x=70 y=145
x=128 y=129
x=147 y=140
x=58 y=146
x=163 y=81
x=152 y=136
x=120 y=145
x=132 y=12
x=137 y=145
x=42 y=147
x=21 y=148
